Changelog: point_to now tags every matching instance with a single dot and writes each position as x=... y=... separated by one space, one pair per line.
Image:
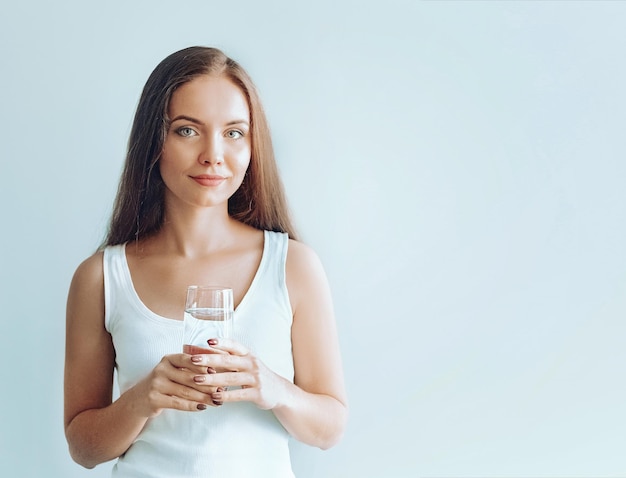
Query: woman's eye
x=234 y=134
x=185 y=131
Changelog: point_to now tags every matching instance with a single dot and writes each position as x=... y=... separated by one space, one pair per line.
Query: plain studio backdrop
x=460 y=167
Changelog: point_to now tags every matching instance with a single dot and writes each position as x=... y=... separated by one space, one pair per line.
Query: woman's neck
x=195 y=232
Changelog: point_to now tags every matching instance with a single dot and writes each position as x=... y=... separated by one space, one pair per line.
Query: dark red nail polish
x=201 y=406
x=210 y=370
x=212 y=341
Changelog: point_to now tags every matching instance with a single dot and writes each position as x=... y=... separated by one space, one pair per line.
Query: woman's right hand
x=176 y=382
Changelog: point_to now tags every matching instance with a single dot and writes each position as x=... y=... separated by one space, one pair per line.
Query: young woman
x=200 y=202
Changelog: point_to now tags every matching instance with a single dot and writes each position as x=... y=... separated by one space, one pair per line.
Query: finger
x=174 y=381
x=167 y=394
x=178 y=403
x=217 y=403
x=183 y=362
x=228 y=345
x=198 y=364
x=229 y=379
x=223 y=363
x=173 y=387
x=237 y=395
x=205 y=384
x=198 y=350
x=182 y=375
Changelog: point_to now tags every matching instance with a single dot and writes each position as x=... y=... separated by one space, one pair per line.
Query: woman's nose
x=212 y=152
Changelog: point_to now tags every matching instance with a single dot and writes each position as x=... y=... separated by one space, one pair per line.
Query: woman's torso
x=235 y=440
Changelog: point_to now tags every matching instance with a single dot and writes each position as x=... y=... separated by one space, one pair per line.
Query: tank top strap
x=115 y=281
x=272 y=274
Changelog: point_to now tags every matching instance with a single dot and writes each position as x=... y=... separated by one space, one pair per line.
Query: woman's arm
x=97 y=429
x=93 y=433
x=314 y=409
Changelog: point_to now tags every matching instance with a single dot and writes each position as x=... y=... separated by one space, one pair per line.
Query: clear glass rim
x=208 y=287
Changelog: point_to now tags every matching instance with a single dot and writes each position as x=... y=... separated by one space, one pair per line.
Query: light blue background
x=459 y=167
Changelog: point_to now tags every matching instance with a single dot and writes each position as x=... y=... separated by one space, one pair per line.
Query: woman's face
x=207 y=148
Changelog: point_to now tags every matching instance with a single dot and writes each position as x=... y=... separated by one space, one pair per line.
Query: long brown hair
x=139 y=205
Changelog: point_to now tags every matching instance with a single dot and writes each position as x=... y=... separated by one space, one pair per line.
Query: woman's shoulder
x=89 y=272
x=304 y=269
x=301 y=255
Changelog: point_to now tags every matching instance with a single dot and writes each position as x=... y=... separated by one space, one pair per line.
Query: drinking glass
x=208 y=314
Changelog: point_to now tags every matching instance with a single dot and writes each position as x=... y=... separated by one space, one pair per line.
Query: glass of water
x=208 y=314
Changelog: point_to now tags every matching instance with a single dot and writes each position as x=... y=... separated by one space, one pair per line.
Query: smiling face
x=207 y=148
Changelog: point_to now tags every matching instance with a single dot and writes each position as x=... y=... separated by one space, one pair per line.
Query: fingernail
x=210 y=370
x=212 y=342
x=196 y=359
x=215 y=402
x=199 y=378
x=201 y=406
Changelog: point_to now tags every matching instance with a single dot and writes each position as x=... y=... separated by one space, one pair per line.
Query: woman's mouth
x=209 y=179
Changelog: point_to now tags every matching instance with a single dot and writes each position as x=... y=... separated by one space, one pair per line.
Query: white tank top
x=235 y=440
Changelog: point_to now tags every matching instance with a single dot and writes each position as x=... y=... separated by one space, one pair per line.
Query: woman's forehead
x=210 y=97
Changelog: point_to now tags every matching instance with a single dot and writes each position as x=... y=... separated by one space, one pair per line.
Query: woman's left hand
x=239 y=368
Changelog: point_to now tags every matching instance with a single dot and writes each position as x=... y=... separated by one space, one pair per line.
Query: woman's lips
x=209 y=179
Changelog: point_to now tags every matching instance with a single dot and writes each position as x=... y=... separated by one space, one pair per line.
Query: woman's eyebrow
x=187 y=118
x=238 y=121
x=191 y=119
